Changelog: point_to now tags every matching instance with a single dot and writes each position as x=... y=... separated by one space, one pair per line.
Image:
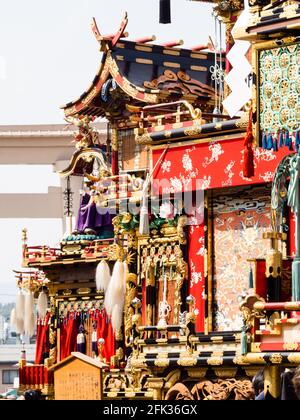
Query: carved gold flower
x=276 y=358
x=290 y=346
x=293 y=72
x=292 y=100
x=268 y=118
x=297 y=109
x=276 y=73
x=284 y=115
x=126 y=218
x=284 y=60
x=268 y=62
x=276 y=103
x=284 y=87
x=268 y=90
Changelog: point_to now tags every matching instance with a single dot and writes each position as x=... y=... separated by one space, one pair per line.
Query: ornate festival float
x=167 y=286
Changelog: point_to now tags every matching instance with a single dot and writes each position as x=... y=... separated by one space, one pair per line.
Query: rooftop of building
x=11 y=353
x=48 y=130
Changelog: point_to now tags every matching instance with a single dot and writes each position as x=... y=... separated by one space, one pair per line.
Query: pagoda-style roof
x=139 y=73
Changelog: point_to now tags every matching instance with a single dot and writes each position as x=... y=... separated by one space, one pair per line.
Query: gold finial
x=24 y=235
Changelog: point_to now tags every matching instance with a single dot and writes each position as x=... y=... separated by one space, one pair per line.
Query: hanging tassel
x=29 y=317
x=107 y=299
x=13 y=318
x=269 y=142
x=287 y=139
x=117 y=317
x=80 y=341
x=125 y=267
x=115 y=298
x=296 y=280
x=281 y=139
x=42 y=305
x=32 y=325
x=165 y=11
x=20 y=312
x=264 y=141
x=297 y=140
x=144 y=216
x=102 y=275
x=275 y=145
x=115 y=291
x=244 y=344
x=248 y=163
x=94 y=340
x=251 y=283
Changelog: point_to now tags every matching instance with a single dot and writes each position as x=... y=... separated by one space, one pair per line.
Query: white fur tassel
x=144 y=216
x=107 y=299
x=117 y=317
x=13 y=318
x=115 y=295
x=115 y=291
x=31 y=326
x=20 y=312
x=42 y=304
x=125 y=275
x=29 y=316
x=102 y=275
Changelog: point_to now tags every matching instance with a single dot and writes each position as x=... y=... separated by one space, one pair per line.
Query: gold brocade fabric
x=279 y=89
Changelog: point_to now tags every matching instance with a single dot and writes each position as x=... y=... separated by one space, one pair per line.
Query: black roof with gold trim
x=276 y=17
x=136 y=73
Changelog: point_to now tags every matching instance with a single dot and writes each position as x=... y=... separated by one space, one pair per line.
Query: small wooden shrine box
x=78 y=377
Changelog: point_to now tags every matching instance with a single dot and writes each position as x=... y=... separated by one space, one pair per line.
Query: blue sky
x=48 y=54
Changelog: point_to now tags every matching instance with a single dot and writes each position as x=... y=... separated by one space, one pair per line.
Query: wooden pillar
x=272 y=381
x=229 y=41
x=156 y=384
x=54 y=355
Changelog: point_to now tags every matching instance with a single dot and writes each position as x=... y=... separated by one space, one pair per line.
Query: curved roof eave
x=109 y=67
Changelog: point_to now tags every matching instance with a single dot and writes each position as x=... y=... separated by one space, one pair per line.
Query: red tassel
x=248 y=164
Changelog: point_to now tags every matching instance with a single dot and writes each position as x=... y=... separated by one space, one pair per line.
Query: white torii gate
x=40 y=145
